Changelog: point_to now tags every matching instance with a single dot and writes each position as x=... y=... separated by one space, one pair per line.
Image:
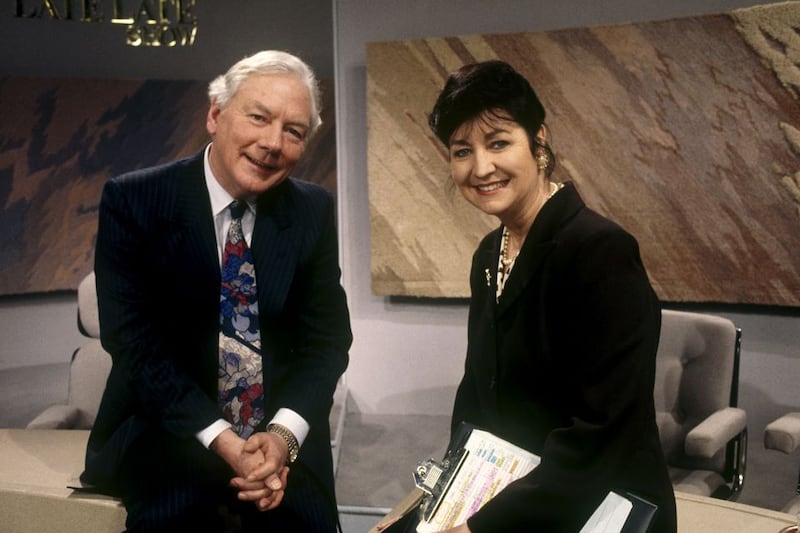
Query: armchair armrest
x=712 y=434
x=783 y=434
x=55 y=417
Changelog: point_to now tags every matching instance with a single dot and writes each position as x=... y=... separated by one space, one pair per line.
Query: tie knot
x=237 y=209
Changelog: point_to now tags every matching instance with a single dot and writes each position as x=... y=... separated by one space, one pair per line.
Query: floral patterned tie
x=241 y=381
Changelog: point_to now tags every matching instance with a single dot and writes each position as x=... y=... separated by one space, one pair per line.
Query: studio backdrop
x=61 y=139
x=685 y=131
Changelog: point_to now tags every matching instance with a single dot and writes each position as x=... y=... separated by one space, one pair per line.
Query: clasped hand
x=259 y=465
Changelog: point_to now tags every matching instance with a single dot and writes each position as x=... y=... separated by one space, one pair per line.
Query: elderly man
x=221 y=305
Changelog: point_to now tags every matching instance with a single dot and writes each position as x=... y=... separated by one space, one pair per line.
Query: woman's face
x=492 y=164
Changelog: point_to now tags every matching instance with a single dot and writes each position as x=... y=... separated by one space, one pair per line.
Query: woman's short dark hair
x=490 y=86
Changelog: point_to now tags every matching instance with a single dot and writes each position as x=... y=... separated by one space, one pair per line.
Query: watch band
x=284 y=433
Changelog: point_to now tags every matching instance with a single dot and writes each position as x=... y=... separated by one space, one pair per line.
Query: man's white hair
x=223 y=87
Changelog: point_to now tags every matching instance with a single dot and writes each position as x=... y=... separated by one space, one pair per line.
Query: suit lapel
x=541 y=240
x=274 y=241
x=194 y=242
x=525 y=267
x=483 y=313
x=274 y=246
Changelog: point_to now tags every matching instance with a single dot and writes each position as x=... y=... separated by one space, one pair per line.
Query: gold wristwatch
x=284 y=433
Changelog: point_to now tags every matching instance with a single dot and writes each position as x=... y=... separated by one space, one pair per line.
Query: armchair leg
x=797 y=490
x=736 y=466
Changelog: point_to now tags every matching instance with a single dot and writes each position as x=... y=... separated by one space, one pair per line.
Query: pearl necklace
x=507 y=263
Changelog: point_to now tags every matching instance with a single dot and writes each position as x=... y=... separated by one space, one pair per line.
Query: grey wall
x=408 y=356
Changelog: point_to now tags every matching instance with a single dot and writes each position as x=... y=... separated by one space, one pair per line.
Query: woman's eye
x=461 y=152
x=257 y=118
x=499 y=145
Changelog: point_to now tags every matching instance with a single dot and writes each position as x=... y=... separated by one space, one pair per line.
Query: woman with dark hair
x=563 y=322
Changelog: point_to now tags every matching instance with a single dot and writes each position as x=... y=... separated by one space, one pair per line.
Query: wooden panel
x=61 y=139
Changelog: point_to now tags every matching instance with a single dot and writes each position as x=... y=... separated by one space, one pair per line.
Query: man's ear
x=211 y=118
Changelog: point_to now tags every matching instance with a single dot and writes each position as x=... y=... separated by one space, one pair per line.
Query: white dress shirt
x=220 y=200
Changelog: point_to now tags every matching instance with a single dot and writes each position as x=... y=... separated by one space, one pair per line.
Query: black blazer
x=564 y=366
x=158 y=279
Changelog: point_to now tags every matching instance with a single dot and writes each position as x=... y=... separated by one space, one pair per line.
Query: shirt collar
x=220 y=198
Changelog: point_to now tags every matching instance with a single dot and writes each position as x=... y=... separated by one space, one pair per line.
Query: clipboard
x=641 y=516
x=439 y=483
x=478 y=466
x=449 y=491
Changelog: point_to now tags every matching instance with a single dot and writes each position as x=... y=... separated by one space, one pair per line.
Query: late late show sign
x=146 y=22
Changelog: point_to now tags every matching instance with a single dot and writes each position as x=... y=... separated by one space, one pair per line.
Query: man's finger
x=274 y=482
x=267 y=468
x=277 y=498
x=254 y=495
x=244 y=485
x=268 y=504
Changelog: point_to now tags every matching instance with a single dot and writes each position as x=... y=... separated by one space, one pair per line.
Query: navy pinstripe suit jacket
x=158 y=279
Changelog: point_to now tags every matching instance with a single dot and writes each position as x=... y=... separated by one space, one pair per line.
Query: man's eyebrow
x=261 y=108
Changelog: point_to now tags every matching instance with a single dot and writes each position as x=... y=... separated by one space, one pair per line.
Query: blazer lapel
x=189 y=226
x=525 y=267
x=196 y=220
x=274 y=238
x=541 y=240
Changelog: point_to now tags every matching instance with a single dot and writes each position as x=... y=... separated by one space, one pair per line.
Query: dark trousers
x=173 y=485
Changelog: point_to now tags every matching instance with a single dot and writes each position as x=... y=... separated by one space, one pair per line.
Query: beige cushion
x=783 y=434
x=87 y=306
x=87 y=380
x=793 y=507
x=55 y=417
x=713 y=433
x=700 y=482
x=36 y=469
x=88 y=371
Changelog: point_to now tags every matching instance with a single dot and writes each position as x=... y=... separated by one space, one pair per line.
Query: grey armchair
x=783 y=435
x=88 y=371
x=703 y=432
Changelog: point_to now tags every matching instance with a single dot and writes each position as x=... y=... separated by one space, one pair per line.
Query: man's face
x=259 y=136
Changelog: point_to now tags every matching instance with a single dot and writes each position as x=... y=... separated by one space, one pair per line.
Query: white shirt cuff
x=285 y=417
x=293 y=422
x=207 y=436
